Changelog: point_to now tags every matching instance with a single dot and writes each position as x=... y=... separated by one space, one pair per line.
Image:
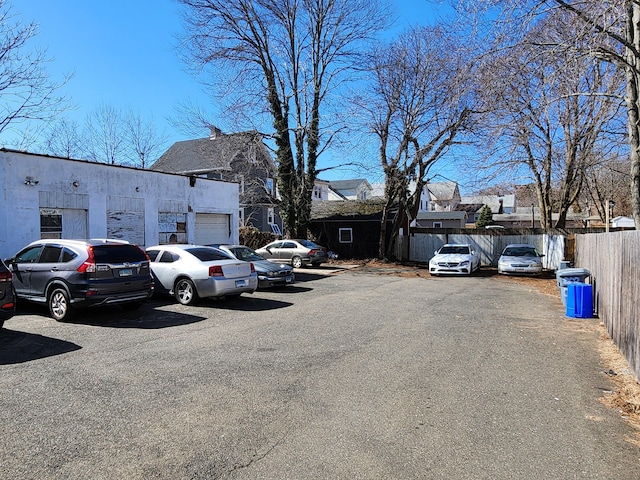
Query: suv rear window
x=118 y=254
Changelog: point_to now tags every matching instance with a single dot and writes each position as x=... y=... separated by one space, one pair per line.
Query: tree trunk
x=633 y=106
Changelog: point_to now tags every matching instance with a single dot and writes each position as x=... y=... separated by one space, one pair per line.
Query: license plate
x=241 y=283
x=126 y=272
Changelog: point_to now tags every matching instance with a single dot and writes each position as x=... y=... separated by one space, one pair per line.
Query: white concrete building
x=51 y=197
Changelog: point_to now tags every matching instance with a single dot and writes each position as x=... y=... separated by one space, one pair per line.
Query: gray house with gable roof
x=237 y=157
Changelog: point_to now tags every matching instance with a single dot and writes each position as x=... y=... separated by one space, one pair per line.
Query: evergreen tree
x=485 y=218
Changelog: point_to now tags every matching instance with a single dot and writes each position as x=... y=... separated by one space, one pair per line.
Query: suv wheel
x=296 y=262
x=59 y=305
x=185 y=292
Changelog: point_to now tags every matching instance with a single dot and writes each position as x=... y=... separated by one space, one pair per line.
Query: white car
x=520 y=258
x=190 y=272
x=457 y=259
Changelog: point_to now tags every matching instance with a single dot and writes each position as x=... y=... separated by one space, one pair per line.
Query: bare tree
x=555 y=108
x=420 y=102
x=142 y=140
x=615 y=29
x=293 y=53
x=63 y=139
x=104 y=135
x=609 y=31
x=605 y=183
x=26 y=93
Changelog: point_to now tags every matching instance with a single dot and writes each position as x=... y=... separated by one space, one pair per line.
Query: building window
x=270 y=185
x=271 y=215
x=50 y=223
x=345 y=235
x=437 y=224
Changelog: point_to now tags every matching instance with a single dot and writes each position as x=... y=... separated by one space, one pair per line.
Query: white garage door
x=212 y=228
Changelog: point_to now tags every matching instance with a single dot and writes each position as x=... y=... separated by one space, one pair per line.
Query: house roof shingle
x=347 y=209
x=204 y=155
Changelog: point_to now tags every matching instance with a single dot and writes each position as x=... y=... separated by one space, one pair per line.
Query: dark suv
x=7 y=294
x=81 y=273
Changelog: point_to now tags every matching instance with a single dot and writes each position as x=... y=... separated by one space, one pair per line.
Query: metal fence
x=613 y=260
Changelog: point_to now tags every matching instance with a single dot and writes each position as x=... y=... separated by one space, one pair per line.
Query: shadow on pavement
x=302 y=276
x=245 y=303
x=20 y=347
x=295 y=288
x=146 y=317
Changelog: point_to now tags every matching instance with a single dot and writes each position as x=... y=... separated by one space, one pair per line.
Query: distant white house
x=54 y=197
x=440 y=197
x=623 y=222
x=335 y=190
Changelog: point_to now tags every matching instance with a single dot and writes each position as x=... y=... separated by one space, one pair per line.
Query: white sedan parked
x=190 y=272
x=460 y=259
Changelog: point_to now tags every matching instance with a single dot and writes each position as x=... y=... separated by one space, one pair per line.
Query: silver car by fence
x=520 y=258
x=270 y=274
x=460 y=259
x=190 y=272
x=295 y=252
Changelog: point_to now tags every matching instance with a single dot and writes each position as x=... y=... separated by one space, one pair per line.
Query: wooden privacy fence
x=419 y=247
x=613 y=259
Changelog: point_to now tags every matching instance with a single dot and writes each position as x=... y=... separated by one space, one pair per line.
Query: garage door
x=212 y=228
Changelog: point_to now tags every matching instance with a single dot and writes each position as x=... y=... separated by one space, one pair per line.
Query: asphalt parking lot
x=347 y=375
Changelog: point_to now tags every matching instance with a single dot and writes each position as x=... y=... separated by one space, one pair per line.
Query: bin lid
x=573 y=272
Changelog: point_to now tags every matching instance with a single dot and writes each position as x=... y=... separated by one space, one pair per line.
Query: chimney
x=215 y=132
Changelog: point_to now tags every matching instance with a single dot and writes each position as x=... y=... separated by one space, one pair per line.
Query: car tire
x=296 y=262
x=59 y=305
x=185 y=292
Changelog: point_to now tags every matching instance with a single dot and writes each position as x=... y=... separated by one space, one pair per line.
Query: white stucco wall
x=97 y=186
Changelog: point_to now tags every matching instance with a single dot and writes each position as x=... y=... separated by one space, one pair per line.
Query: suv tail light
x=89 y=266
x=215 y=271
x=6 y=276
x=253 y=268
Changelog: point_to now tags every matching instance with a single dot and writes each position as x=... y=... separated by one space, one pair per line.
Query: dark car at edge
x=270 y=274
x=7 y=294
x=69 y=274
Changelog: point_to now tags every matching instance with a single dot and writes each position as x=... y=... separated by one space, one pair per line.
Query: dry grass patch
x=625 y=397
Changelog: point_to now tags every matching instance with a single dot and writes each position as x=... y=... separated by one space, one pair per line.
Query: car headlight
x=464 y=262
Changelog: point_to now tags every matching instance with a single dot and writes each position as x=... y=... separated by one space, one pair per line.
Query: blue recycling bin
x=579 y=300
x=568 y=276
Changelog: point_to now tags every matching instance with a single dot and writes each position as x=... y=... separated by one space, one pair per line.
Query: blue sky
x=122 y=53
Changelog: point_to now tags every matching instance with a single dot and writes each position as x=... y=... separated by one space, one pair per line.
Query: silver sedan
x=298 y=253
x=520 y=258
x=190 y=272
